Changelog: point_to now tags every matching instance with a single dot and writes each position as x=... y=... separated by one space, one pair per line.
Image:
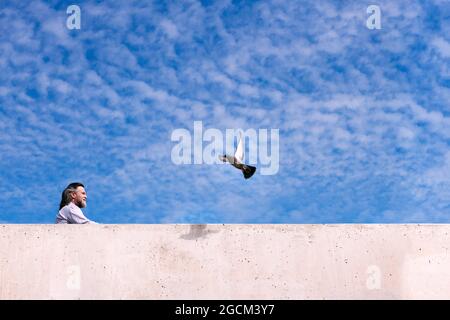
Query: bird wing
x=239 y=154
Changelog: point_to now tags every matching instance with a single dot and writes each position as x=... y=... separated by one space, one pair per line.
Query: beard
x=81 y=204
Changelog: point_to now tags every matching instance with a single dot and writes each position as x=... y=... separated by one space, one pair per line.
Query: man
x=73 y=198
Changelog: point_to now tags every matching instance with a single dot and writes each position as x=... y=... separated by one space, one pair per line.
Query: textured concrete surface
x=224 y=262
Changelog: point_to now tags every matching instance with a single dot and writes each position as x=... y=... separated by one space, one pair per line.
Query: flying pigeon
x=237 y=161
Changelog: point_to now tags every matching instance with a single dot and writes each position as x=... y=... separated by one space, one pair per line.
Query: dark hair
x=65 y=196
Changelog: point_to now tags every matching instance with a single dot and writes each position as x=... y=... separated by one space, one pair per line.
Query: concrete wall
x=224 y=261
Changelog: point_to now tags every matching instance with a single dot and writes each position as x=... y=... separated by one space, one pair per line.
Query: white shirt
x=72 y=214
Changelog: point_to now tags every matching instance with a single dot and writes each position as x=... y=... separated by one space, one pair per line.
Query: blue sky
x=364 y=115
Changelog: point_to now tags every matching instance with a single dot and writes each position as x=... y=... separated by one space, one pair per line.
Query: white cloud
x=169 y=28
x=442 y=45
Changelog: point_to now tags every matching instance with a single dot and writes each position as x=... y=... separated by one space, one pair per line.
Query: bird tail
x=248 y=171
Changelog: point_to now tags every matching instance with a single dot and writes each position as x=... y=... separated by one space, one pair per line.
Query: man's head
x=75 y=193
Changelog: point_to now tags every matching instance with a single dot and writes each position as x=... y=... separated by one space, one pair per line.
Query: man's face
x=80 y=197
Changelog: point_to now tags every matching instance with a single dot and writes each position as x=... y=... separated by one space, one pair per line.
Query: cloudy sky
x=363 y=115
